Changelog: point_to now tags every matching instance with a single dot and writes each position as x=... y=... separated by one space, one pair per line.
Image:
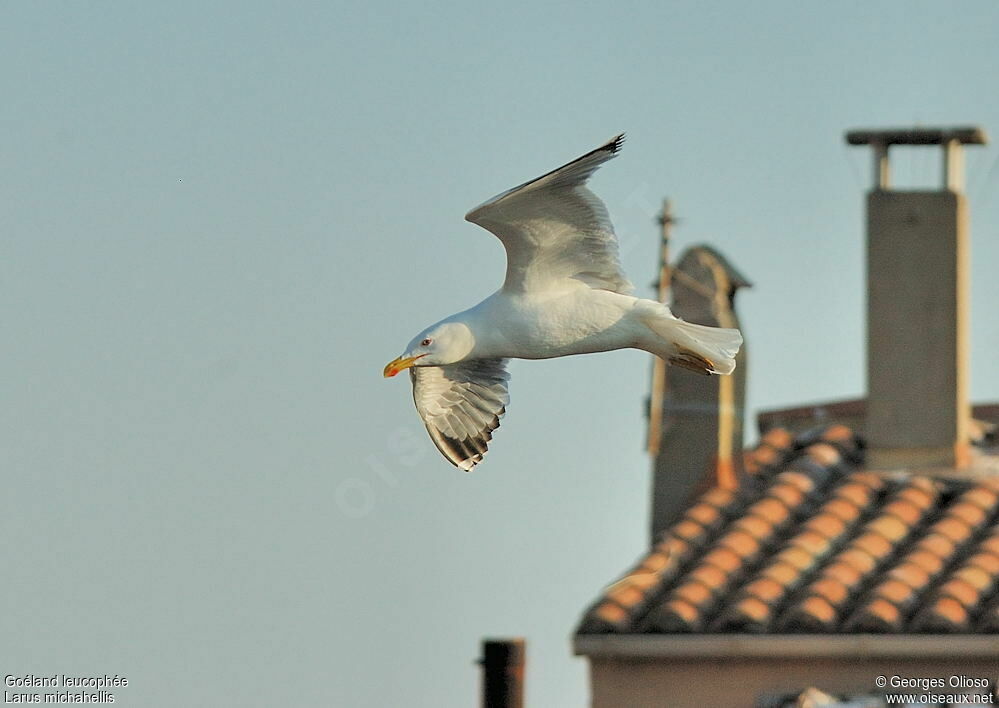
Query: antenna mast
x=658 y=393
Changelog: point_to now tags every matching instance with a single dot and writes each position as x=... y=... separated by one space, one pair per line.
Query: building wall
x=739 y=683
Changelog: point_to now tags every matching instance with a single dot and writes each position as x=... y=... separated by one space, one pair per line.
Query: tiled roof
x=813 y=543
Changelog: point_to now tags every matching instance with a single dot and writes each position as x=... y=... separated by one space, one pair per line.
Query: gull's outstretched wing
x=553 y=228
x=461 y=405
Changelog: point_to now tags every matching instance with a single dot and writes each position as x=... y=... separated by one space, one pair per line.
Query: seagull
x=564 y=294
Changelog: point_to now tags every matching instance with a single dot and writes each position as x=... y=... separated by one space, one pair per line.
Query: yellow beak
x=400 y=364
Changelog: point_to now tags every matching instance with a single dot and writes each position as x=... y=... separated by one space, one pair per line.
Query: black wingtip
x=615 y=143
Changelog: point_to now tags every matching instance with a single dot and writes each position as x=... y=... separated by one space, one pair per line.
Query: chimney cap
x=966 y=135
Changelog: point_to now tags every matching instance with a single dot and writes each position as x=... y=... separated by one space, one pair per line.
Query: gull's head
x=439 y=345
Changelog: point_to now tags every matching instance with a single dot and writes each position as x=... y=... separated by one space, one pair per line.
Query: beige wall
x=737 y=683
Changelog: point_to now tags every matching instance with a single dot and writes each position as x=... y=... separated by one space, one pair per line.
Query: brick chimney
x=918 y=412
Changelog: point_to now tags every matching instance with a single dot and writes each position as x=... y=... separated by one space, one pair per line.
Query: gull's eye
x=426 y=342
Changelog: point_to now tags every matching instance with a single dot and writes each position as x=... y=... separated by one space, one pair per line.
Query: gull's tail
x=702 y=349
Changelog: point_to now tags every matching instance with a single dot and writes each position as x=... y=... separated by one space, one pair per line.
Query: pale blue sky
x=220 y=221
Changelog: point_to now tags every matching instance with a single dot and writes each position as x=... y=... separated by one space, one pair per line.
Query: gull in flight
x=564 y=294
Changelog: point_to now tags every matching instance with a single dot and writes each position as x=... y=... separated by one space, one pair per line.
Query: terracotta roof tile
x=832 y=590
x=707 y=515
x=697 y=594
x=943 y=615
x=911 y=574
x=988 y=562
x=895 y=591
x=803 y=475
x=754 y=608
x=920 y=492
x=903 y=509
x=991 y=543
x=823 y=454
x=709 y=575
x=782 y=573
x=778 y=439
x=855 y=492
x=750 y=614
x=846 y=574
x=676 y=550
x=840 y=435
x=765 y=589
x=858 y=559
x=826 y=525
x=890 y=528
x=759 y=460
x=625 y=596
x=879 y=615
x=757 y=527
x=791 y=494
x=610 y=613
x=953 y=529
x=982 y=496
x=845 y=510
x=796 y=557
x=814 y=614
x=972 y=514
x=874 y=543
x=812 y=543
x=655 y=562
x=960 y=591
x=771 y=452
x=930 y=562
x=719 y=497
x=741 y=543
x=725 y=559
x=772 y=510
x=691 y=531
x=937 y=544
x=675 y=616
x=885 y=612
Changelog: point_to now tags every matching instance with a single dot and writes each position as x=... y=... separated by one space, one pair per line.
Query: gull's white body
x=564 y=294
x=577 y=320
